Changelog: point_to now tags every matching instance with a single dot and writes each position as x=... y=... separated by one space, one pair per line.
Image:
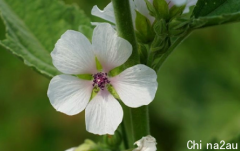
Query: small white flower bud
x=147 y=143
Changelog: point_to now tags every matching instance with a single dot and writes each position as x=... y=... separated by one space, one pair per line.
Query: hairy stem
x=139 y=116
x=124 y=135
x=125 y=27
x=140 y=119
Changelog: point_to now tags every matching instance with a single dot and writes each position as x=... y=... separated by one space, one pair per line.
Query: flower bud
x=113 y=141
x=147 y=143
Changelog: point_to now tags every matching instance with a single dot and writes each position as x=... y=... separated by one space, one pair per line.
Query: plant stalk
x=139 y=116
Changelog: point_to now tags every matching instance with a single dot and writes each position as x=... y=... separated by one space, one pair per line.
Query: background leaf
x=216 y=7
x=33 y=27
x=215 y=12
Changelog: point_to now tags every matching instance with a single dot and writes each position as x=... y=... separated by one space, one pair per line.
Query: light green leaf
x=33 y=27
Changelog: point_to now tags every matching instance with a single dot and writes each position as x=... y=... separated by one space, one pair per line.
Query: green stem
x=124 y=135
x=139 y=116
x=140 y=119
x=125 y=28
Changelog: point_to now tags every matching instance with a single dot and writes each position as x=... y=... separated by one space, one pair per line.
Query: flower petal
x=111 y=50
x=136 y=85
x=73 y=54
x=103 y=114
x=69 y=94
x=107 y=13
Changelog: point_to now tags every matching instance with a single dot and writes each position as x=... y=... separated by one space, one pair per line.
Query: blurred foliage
x=198 y=97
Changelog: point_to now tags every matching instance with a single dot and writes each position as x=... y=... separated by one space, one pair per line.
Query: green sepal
x=151 y=9
x=157 y=54
x=85 y=76
x=144 y=32
x=112 y=91
x=159 y=45
x=162 y=10
x=98 y=64
x=95 y=91
x=160 y=28
x=176 y=11
x=178 y=26
x=178 y=23
x=116 y=70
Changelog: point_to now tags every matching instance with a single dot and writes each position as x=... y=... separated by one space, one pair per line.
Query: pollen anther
x=100 y=80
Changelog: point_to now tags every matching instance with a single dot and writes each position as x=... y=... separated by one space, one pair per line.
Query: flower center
x=100 y=80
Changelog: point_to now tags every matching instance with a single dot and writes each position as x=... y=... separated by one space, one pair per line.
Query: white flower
x=147 y=143
x=74 y=55
x=108 y=14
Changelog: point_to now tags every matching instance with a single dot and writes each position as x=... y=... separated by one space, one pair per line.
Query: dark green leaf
x=216 y=7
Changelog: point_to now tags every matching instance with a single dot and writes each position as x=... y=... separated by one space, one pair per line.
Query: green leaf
x=33 y=27
x=214 y=20
x=215 y=12
x=216 y=7
x=151 y=9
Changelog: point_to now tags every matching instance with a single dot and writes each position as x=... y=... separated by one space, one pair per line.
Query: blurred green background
x=198 y=96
